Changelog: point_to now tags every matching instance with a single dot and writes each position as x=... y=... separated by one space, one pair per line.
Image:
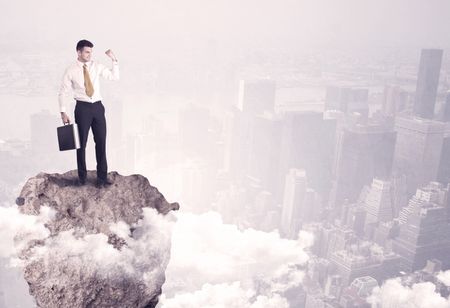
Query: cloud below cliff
x=394 y=294
x=14 y=225
x=217 y=265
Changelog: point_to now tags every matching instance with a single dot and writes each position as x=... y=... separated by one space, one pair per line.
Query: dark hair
x=84 y=43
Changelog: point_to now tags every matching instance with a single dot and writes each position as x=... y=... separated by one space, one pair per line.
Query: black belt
x=88 y=102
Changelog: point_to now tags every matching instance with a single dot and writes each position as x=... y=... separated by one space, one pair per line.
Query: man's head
x=84 y=50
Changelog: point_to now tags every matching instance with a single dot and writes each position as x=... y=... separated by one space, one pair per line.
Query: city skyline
x=310 y=156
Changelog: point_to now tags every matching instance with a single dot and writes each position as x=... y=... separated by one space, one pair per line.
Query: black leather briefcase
x=68 y=137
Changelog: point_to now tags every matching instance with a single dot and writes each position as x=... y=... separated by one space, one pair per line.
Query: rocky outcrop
x=107 y=247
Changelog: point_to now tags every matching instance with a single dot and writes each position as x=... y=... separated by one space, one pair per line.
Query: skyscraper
x=378 y=203
x=256 y=96
x=427 y=82
x=417 y=150
x=307 y=142
x=444 y=115
x=424 y=230
x=264 y=147
x=294 y=196
x=347 y=100
x=395 y=100
x=444 y=162
x=362 y=152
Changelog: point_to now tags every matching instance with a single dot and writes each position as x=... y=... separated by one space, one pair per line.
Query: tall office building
x=444 y=162
x=264 y=147
x=365 y=261
x=307 y=142
x=444 y=115
x=427 y=82
x=362 y=152
x=325 y=237
x=378 y=203
x=333 y=286
x=424 y=230
x=237 y=142
x=395 y=100
x=294 y=197
x=347 y=100
x=357 y=293
x=256 y=96
x=355 y=219
x=433 y=192
x=418 y=150
x=340 y=240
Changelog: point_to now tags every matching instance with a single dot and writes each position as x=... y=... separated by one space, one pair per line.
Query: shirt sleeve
x=64 y=91
x=110 y=73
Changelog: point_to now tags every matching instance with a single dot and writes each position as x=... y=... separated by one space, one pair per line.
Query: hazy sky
x=140 y=24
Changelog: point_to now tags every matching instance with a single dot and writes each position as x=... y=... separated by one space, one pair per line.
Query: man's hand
x=65 y=118
x=110 y=54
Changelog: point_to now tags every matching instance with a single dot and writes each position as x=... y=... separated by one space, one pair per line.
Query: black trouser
x=87 y=115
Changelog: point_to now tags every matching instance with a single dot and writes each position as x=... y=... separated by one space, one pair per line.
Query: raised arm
x=113 y=73
x=110 y=73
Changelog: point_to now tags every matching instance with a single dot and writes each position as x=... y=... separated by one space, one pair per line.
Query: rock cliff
x=107 y=247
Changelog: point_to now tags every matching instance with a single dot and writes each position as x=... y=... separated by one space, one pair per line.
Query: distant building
x=362 y=152
x=357 y=293
x=427 y=82
x=366 y=260
x=264 y=151
x=294 y=197
x=418 y=150
x=444 y=162
x=444 y=115
x=347 y=100
x=333 y=286
x=395 y=100
x=256 y=96
x=378 y=203
x=424 y=231
x=307 y=142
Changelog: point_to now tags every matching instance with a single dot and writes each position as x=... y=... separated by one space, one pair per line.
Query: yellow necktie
x=87 y=82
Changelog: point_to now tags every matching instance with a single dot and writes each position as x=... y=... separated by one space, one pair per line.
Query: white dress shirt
x=73 y=80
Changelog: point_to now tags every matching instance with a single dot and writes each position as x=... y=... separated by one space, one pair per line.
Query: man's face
x=84 y=55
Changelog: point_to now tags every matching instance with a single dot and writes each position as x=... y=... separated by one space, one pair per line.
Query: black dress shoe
x=103 y=183
x=81 y=182
x=107 y=182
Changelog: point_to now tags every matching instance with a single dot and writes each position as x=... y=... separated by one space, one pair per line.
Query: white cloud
x=208 y=255
x=211 y=264
x=16 y=229
x=224 y=296
x=144 y=255
x=444 y=277
x=392 y=294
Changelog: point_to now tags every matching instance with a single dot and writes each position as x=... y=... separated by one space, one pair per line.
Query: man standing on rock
x=83 y=78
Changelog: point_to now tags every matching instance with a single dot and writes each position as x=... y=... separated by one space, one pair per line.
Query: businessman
x=82 y=79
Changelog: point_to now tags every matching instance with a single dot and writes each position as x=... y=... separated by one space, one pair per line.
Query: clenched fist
x=110 y=54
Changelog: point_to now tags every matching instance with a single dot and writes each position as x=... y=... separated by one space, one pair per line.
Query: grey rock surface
x=107 y=247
